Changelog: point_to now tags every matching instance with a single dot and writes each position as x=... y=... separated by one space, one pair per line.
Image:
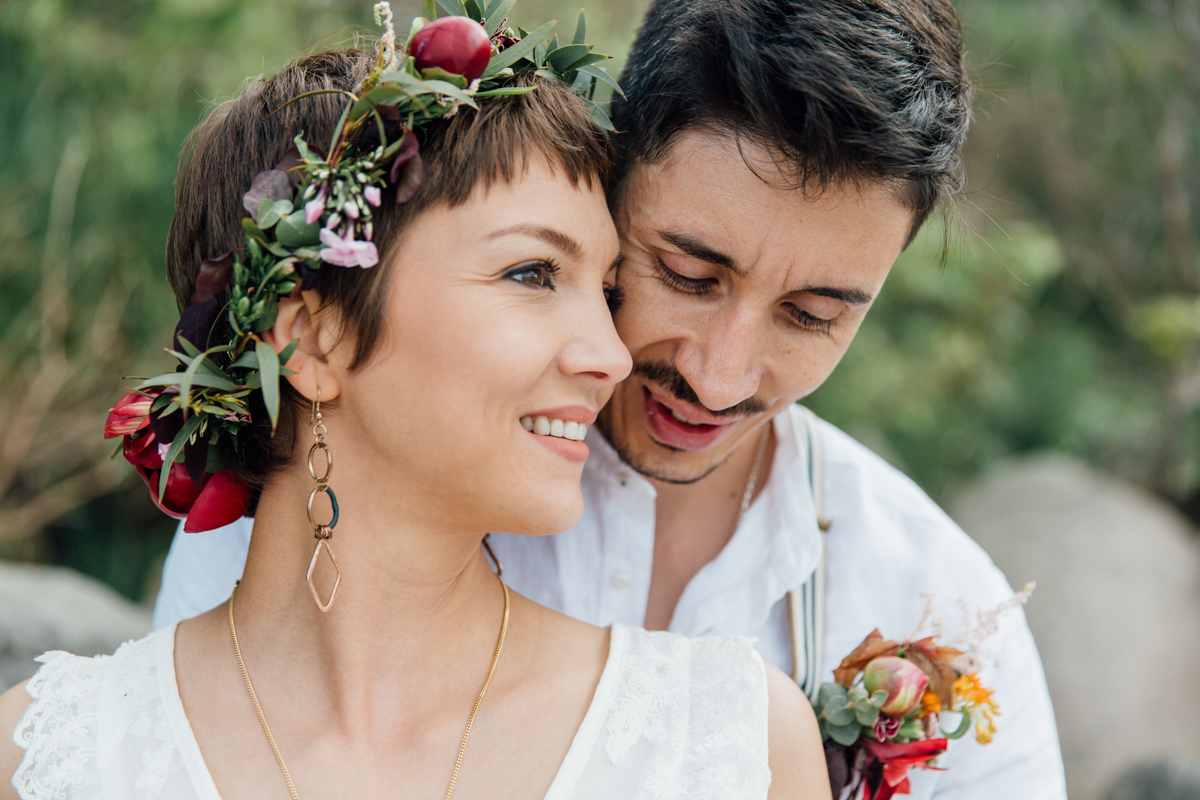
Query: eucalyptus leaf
x=564 y=57
x=879 y=698
x=449 y=89
x=586 y=60
x=964 y=725
x=455 y=8
x=580 y=29
x=268 y=362
x=248 y=360
x=202 y=379
x=838 y=712
x=188 y=348
x=270 y=312
x=866 y=716
x=855 y=694
x=506 y=90
x=498 y=11
x=602 y=76
x=293 y=231
x=286 y=353
x=845 y=735
x=176 y=447
x=600 y=116
x=513 y=54
x=271 y=211
x=828 y=691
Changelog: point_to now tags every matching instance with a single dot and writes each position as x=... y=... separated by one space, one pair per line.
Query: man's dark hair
x=837 y=90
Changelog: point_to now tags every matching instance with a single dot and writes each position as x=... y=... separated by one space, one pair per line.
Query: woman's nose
x=596 y=350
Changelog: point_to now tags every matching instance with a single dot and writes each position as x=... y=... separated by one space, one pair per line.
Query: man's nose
x=722 y=359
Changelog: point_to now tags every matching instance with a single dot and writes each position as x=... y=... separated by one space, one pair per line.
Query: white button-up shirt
x=889 y=548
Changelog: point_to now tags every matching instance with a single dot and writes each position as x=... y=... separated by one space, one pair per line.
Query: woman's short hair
x=252 y=132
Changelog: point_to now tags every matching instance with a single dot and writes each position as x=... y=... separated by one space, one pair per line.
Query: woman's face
x=496 y=316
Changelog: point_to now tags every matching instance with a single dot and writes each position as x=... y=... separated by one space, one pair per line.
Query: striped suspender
x=806 y=604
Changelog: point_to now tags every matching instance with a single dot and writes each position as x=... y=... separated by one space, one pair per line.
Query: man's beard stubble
x=667 y=377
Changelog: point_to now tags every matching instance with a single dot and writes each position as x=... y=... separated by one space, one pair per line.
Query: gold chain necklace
x=752 y=480
x=462 y=747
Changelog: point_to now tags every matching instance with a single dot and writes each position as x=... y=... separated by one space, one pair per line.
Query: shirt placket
x=628 y=549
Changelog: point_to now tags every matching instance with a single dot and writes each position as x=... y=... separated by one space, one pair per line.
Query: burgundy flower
x=217 y=501
x=143 y=452
x=130 y=414
x=458 y=45
x=223 y=500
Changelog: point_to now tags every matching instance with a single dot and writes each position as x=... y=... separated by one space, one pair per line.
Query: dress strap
x=806 y=603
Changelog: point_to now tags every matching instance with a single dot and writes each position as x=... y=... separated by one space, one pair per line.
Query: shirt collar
x=778 y=540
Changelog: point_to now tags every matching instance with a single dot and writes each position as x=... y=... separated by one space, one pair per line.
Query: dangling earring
x=323 y=532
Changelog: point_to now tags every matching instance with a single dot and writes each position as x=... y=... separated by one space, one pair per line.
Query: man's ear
x=300 y=318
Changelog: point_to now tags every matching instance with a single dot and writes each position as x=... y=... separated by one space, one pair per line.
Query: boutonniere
x=895 y=705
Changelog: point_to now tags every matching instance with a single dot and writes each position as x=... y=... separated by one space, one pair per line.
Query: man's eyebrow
x=698 y=249
x=855 y=297
x=551 y=236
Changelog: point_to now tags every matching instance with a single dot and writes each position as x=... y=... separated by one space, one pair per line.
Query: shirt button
x=622 y=579
x=623 y=479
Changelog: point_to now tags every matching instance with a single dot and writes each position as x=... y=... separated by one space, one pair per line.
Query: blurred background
x=1042 y=381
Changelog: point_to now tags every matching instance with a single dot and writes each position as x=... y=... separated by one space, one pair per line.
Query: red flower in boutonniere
x=895 y=760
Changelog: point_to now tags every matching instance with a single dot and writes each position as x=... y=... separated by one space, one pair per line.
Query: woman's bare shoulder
x=797 y=756
x=13 y=705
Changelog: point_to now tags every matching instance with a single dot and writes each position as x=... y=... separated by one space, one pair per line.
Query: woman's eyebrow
x=551 y=236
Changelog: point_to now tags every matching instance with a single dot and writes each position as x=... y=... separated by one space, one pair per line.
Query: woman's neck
x=415 y=617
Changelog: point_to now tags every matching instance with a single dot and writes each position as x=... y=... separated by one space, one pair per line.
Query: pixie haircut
x=839 y=91
x=251 y=133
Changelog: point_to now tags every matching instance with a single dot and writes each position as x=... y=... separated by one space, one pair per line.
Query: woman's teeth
x=543 y=426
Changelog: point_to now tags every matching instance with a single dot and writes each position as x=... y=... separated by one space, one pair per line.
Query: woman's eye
x=534 y=273
x=810 y=322
x=682 y=283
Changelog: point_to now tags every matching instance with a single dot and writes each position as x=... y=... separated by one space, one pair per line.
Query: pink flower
x=345 y=251
x=903 y=681
x=314 y=208
x=129 y=415
x=371 y=193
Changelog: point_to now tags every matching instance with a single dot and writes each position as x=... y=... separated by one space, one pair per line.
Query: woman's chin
x=554 y=507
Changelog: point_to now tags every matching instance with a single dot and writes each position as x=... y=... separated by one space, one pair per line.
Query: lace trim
x=89 y=712
x=702 y=706
x=58 y=731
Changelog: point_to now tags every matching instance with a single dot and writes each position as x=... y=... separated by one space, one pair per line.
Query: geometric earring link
x=322 y=531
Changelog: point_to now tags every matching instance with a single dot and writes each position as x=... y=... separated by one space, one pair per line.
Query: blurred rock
x=52 y=608
x=1116 y=614
x=1162 y=780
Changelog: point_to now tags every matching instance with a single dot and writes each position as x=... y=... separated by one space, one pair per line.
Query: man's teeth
x=681 y=419
x=544 y=426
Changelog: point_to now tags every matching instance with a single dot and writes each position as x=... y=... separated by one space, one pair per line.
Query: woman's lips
x=669 y=431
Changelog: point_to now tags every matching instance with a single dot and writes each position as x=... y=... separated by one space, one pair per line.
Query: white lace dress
x=672 y=718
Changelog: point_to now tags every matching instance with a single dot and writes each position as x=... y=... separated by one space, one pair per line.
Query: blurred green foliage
x=1067 y=317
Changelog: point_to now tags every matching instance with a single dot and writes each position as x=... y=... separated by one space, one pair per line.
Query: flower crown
x=313 y=210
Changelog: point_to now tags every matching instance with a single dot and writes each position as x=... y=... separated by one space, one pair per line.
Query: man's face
x=740 y=297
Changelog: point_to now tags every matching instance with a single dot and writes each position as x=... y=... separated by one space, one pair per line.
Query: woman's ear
x=300 y=318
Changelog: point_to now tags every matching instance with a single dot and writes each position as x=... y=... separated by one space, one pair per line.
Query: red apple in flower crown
x=458 y=45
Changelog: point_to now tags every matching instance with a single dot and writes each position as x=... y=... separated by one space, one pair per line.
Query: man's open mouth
x=673 y=429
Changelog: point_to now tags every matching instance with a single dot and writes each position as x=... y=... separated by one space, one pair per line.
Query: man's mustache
x=668 y=377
